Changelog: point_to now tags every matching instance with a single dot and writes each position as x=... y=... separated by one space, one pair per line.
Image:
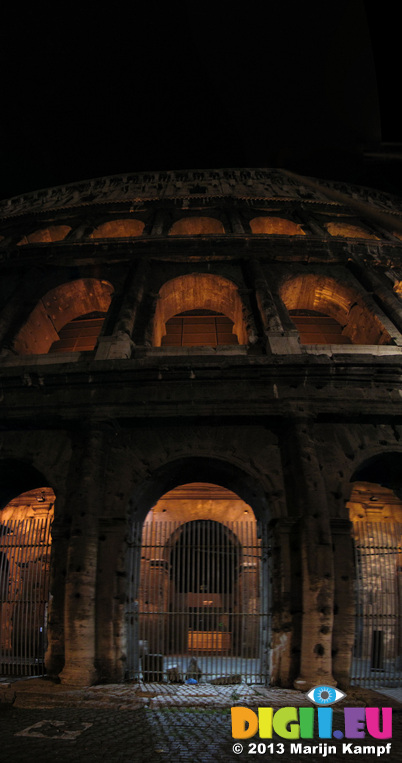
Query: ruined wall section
x=281 y=423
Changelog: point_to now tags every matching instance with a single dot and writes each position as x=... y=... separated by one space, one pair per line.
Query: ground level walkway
x=134 y=723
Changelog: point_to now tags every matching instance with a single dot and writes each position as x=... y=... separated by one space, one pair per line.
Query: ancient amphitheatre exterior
x=201 y=429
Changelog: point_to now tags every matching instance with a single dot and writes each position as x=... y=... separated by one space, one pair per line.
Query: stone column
x=379 y=286
x=236 y=222
x=19 y=306
x=345 y=604
x=85 y=506
x=111 y=601
x=54 y=658
x=272 y=322
x=120 y=344
x=316 y=557
x=285 y=621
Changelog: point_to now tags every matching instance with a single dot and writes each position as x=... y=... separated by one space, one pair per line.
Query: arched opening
x=200 y=304
x=126 y=228
x=347 y=230
x=312 y=298
x=195 y=328
x=278 y=226
x=375 y=510
x=318 y=328
x=199 y=591
x=25 y=546
x=196 y=226
x=46 y=235
x=68 y=318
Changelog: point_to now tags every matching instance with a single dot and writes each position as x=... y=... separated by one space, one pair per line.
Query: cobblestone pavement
x=134 y=723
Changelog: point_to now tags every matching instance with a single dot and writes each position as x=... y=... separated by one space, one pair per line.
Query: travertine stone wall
x=286 y=426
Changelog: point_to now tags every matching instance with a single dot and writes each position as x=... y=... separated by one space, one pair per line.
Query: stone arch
x=383 y=468
x=196 y=226
x=323 y=294
x=26 y=513
x=190 y=469
x=124 y=228
x=202 y=291
x=16 y=477
x=46 y=235
x=375 y=511
x=59 y=307
x=171 y=612
x=278 y=226
x=347 y=230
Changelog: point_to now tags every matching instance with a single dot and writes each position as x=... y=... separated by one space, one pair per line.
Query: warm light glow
x=317 y=328
x=38 y=502
x=203 y=292
x=276 y=226
x=57 y=308
x=322 y=294
x=374 y=503
x=46 y=235
x=126 y=228
x=191 y=330
x=196 y=226
x=349 y=231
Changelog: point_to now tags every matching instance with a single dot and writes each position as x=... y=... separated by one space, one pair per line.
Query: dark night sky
x=191 y=85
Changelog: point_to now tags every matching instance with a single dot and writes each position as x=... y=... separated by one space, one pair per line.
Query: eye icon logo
x=325 y=695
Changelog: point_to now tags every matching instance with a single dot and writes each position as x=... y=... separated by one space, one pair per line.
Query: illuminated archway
x=46 y=235
x=59 y=307
x=25 y=545
x=375 y=510
x=349 y=231
x=199 y=291
x=199 y=591
x=200 y=490
x=343 y=304
x=125 y=228
x=196 y=226
x=278 y=226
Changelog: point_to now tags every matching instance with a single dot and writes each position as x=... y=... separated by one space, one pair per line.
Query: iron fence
x=24 y=593
x=199 y=602
x=377 y=659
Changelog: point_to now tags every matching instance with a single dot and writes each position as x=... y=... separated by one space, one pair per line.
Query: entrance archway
x=375 y=510
x=201 y=603
x=25 y=546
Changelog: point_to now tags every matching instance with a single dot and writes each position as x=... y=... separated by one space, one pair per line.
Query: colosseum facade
x=201 y=424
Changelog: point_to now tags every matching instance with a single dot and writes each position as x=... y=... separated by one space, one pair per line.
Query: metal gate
x=378 y=638
x=199 y=602
x=24 y=593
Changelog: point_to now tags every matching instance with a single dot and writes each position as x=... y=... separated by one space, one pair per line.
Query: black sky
x=191 y=85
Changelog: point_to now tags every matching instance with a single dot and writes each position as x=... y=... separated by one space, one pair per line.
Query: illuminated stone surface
x=301 y=433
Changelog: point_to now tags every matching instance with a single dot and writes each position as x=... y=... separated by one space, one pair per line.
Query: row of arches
x=196 y=225
x=199 y=309
x=200 y=579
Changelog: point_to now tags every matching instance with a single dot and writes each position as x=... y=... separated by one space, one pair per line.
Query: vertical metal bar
x=231 y=536
x=192 y=538
x=29 y=594
x=143 y=594
x=218 y=595
x=41 y=613
x=4 y=587
x=17 y=615
x=154 y=600
x=158 y=595
x=173 y=596
x=358 y=651
x=218 y=588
